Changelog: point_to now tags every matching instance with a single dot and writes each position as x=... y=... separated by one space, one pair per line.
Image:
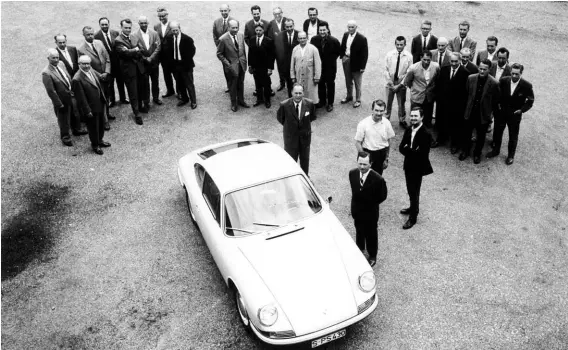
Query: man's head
x=233 y=27
x=176 y=28
x=85 y=63
x=61 y=41
x=484 y=67
x=255 y=10
x=259 y=30
x=455 y=60
x=313 y=14
x=53 y=57
x=289 y=25
x=143 y=23
x=277 y=13
x=465 y=55
x=126 y=26
x=425 y=28
x=516 y=72
x=363 y=162
x=416 y=116
x=302 y=38
x=162 y=15
x=442 y=44
x=464 y=29
x=323 y=29
x=426 y=58
x=491 y=44
x=502 y=57
x=104 y=23
x=224 y=9
x=297 y=92
x=352 y=26
x=378 y=107
x=399 y=43
x=89 y=34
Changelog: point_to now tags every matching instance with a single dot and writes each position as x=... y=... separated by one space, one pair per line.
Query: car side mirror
x=329 y=199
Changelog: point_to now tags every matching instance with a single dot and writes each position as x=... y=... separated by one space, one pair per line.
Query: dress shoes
x=138 y=120
x=329 y=108
x=267 y=105
x=453 y=150
x=67 y=143
x=409 y=223
x=125 y=101
x=158 y=101
x=372 y=262
x=168 y=94
x=112 y=104
x=509 y=160
x=179 y=97
x=463 y=156
x=319 y=105
x=434 y=144
x=258 y=103
x=405 y=211
x=244 y=105
x=144 y=109
x=357 y=104
x=346 y=100
x=194 y=105
x=234 y=108
x=107 y=126
x=476 y=159
x=98 y=151
x=111 y=117
x=281 y=87
x=182 y=102
x=104 y=144
x=227 y=91
x=492 y=154
x=80 y=132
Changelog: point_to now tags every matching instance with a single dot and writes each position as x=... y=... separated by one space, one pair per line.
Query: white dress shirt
x=413 y=133
x=312 y=30
x=363 y=177
x=350 y=38
x=499 y=72
x=178 y=40
x=390 y=65
x=514 y=86
x=164 y=28
x=146 y=38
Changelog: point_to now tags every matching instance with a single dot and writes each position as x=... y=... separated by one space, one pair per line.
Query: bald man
x=354 y=55
x=231 y=52
x=181 y=50
x=441 y=55
x=149 y=43
x=220 y=27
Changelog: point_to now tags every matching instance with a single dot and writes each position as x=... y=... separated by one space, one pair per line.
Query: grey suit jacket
x=218 y=29
x=489 y=97
x=151 y=52
x=454 y=45
x=436 y=56
x=58 y=90
x=483 y=54
x=99 y=61
x=228 y=54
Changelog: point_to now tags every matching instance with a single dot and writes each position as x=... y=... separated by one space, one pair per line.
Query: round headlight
x=367 y=281
x=268 y=315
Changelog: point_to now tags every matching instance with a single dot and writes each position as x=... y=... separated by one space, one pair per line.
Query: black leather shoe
x=409 y=223
x=138 y=120
x=227 y=91
x=372 y=262
x=104 y=144
x=98 y=151
x=107 y=127
x=193 y=105
x=125 y=101
x=272 y=93
x=346 y=100
x=67 y=143
x=143 y=109
x=80 y=132
x=158 y=101
x=492 y=154
x=254 y=93
x=281 y=87
x=329 y=108
x=182 y=102
x=112 y=104
x=168 y=94
x=454 y=150
x=405 y=211
x=319 y=105
x=463 y=156
x=509 y=160
x=111 y=117
x=267 y=105
x=234 y=108
x=476 y=159
x=244 y=105
x=258 y=103
x=434 y=144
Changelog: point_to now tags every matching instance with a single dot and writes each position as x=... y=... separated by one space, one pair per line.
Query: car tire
x=191 y=215
x=241 y=309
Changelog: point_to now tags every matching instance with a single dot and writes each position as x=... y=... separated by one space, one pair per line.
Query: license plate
x=328 y=338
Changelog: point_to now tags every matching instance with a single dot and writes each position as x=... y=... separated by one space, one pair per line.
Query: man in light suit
x=107 y=37
x=490 y=52
x=397 y=63
x=181 y=50
x=164 y=29
x=368 y=190
x=220 y=27
x=150 y=45
x=296 y=115
x=354 y=55
x=91 y=100
x=442 y=54
x=231 y=52
x=284 y=45
x=483 y=99
x=423 y=41
x=305 y=68
x=100 y=61
x=421 y=80
x=275 y=27
x=57 y=83
x=261 y=65
x=463 y=40
x=517 y=97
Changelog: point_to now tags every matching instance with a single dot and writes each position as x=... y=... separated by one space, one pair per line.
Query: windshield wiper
x=240 y=229
x=261 y=224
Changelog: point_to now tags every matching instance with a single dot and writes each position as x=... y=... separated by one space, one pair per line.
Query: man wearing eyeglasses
x=423 y=41
x=164 y=30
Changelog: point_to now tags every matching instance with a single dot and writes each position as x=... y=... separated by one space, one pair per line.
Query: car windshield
x=269 y=205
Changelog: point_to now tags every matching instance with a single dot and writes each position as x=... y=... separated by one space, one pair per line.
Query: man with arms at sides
x=463 y=40
x=231 y=52
x=329 y=49
x=284 y=44
x=57 y=83
x=373 y=136
x=502 y=68
x=149 y=43
x=482 y=100
x=181 y=49
x=423 y=41
x=107 y=37
x=220 y=27
x=421 y=79
x=368 y=190
x=91 y=100
x=397 y=63
x=261 y=65
x=275 y=27
x=469 y=66
x=164 y=30
x=451 y=96
x=517 y=97
x=131 y=67
x=415 y=147
x=250 y=26
x=490 y=52
x=311 y=24
x=296 y=115
x=305 y=68
x=354 y=55
x=68 y=55
x=100 y=61
x=442 y=54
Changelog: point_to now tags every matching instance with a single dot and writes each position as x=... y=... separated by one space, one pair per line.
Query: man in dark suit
x=354 y=55
x=489 y=52
x=502 y=68
x=107 y=37
x=164 y=29
x=68 y=55
x=220 y=27
x=181 y=50
x=368 y=190
x=451 y=97
x=57 y=83
x=231 y=52
x=284 y=44
x=250 y=26
x=311 y=25
x=261 y=65
x=469 y=66
x=131 y=66
x=415 y=146
x=91 y=100
x=482 y=101
x=329 y=50
x=296 y=115
x=442 y=54
x=517 y=97
x=148 y=41
x=423 y=41
x=463 y=40
x=275 y=27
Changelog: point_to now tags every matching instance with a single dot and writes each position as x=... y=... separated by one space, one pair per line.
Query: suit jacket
x=471 y=68
x=249 y=30
x=307 y=23
x=416 y=154
x=489 y=98
x=57 y=89
x=294 y=129
x=114 y=61
x=90 y=95
x=158 y=29
x=359 y=51
x=274 y=29
x=454 y=45
x=261 y=57
x=416 y=46
x=228 y=54
x=218 y=29
x=436 y=57
x=186 y=50
x=416 y=81
x=284 y=50
x=506 y=70
x=73 y=66
x=100 y=61
x=522 y=98
x=483 y=54
x=129 y=58
x=328 y=55
x=365 y=202
x=451 y=93
x=152 y=52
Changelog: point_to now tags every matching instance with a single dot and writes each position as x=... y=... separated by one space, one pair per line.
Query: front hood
x=306 y=274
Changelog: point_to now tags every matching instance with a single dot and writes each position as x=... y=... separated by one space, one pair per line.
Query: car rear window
x=213 y=151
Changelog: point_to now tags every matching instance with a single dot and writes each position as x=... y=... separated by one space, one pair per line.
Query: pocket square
x=307 y=114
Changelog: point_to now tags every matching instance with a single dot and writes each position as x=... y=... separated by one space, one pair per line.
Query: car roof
x=244 y=166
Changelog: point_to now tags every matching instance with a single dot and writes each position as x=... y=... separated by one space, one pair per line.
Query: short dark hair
x=518 y=66
x=161 y=9
x=312 y=9
x=426 y=53
x=126 y=20
x=493 y=38
x=487 y=62
x=259 y=25
x=103 y=18
x=400 y=38
x=464 y=23
x=288 y=20
x=503 y=50
x=379 y=103
x=60 y=34
x=255 y=7
x=323 y=24
x=363 y=154
x=419 y=109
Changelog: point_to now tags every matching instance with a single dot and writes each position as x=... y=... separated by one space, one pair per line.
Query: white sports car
x=296 y=274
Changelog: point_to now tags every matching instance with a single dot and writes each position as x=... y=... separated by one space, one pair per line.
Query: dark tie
x=176 y=47
x=461 y=44
x=397 y=65
x=361 y=182
x=290 y=39
x=258 y=42
x=440 y=59
x=453 y=72
x=424 y=46
x=236 y=44
x=95 y=50
x=323 y=42
x=109 y=42
x=298 y=110
x=224 y=26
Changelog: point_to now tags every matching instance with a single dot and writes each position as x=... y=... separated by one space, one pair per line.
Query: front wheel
x=189 y=207
x=241 y=309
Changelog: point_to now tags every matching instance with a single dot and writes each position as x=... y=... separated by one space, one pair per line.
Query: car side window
x=199 y=175
x=212 y=197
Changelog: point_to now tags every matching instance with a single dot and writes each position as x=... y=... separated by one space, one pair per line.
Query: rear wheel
x=189 y=207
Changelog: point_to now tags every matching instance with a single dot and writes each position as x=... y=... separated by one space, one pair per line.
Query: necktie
x=424 y=46
x=453 y=72
x=323 y=42
x=224 y=25
x=176 y=47
x=461 y=44
x=298 y=110
x=361 y=182
x=63 y=76
x=397 y=65
x=95 y=50
x=290 y=39
x=440 y=59
x=236 y=44
x=258 y=42
x=108 y=42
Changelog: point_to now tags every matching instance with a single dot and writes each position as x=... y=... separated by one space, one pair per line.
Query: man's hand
x=316 y=81
x=390 y=85
x=90 y=115
x=269 y=72
x=362 y=71
x=518 y=113
x=293 y=80
x=251 y=70
x=136 y=49
x=104 y=76
x=385 y=163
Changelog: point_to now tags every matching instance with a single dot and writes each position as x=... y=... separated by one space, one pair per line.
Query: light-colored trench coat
x=305 y=69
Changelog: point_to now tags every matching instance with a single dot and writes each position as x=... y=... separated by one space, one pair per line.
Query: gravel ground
x=99 y=252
